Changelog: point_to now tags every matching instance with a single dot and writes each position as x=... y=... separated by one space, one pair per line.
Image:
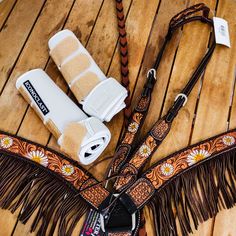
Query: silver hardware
x=183 y=96
x=133 y=221
x=102 y=223
x=152 y=71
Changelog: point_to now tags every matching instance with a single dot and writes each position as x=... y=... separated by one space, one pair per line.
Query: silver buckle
x=102 y=222
x=183 y=96
x=104 y=217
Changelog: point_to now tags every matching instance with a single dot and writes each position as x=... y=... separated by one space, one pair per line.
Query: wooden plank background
x=27 y=25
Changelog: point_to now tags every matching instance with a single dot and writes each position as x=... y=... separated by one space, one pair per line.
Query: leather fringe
x=50 y=202
x=195 y=196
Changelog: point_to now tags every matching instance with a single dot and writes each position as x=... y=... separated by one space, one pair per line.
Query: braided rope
x=123 y=56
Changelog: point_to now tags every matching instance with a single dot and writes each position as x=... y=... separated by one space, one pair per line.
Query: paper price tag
x=221 y=30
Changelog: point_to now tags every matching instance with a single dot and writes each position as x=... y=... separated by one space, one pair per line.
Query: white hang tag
x=221 y=30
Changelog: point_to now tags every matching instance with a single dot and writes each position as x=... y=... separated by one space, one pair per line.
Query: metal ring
x=183 y=96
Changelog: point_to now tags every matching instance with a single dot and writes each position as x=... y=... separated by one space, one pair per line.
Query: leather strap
x=179 y=20
x=182 y=16
x=133 y=126
x=162 y=127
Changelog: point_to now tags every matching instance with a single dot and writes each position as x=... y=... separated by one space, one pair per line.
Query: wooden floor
x=26 y=26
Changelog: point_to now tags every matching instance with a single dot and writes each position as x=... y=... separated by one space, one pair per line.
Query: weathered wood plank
x=215 y=99
x=12 y=38
x=225 y=223
x=14 y=34
x=226 y=65
x=97 y=35
x=5 y=10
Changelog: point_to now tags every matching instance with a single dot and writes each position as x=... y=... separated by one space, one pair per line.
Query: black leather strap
x=188 y=88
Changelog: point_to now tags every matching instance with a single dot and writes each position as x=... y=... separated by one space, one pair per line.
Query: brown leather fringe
x=195 y=196
x=41 y=195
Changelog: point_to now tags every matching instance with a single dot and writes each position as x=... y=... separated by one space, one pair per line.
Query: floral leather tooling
x=157 y=176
